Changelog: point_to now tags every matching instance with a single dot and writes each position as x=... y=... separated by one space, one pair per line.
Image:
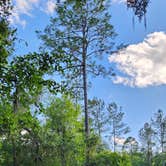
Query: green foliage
x=137 y=159
x=107 y=158
x=77 y=28
x=63 y=133
x=80 y=33
x=159 y=159
x=7 y=38
x=19 y=135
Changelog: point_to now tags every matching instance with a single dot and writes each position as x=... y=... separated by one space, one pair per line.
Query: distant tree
x=118 y=127
x=98 y=115
x=159 y=125
x=130 y=145
x=146 y=135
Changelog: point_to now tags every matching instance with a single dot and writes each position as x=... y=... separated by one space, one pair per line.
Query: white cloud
x=142 y=64
x=15 y=19
x=119 y=141
x=118 y=1
x=28 y=7
x=50 y=7
x=22 y=7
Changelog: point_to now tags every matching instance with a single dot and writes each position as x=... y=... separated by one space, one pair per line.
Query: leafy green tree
x=24 y=79
x=63 y=134
x=19 y=138
x=21 y=82
x=7 y=38
x=118 y=127
x=22 y=85
x=130 y=145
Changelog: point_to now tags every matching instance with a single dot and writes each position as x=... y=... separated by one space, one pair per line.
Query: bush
x=159 y=159
x=107 y=158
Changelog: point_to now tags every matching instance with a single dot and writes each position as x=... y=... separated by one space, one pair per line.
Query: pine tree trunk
x=162 y=137
x=86 y=109
x=85 y=97
x=114 y=137
x=14 y=154
x=84 y=75
x=149 y=155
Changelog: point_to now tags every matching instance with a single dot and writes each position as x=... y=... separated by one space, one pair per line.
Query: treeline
x=46 y=117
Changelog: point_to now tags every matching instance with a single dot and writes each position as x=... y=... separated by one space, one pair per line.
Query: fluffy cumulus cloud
x=142 y=64
x=27 y=7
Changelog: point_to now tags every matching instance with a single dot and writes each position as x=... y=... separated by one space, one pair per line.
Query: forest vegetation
x=51 y=121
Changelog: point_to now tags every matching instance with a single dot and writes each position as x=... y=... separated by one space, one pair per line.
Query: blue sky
x=140 y=83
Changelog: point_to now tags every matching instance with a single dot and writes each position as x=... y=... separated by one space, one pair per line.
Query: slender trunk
x=84 y=75
x=14 y=153
x=99 y=132
x=86 y=108
x=162 y=137
x=61 y=132
x=63 y=158
x=149 y=155
x=85 y=98
x=114 y=144
x=162 y=145
x=15 y=99
x=37 y=156
x=98 y=123
x=63 y=161
x=15 y=109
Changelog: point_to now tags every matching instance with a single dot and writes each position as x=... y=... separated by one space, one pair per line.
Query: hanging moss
x=139 y=8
